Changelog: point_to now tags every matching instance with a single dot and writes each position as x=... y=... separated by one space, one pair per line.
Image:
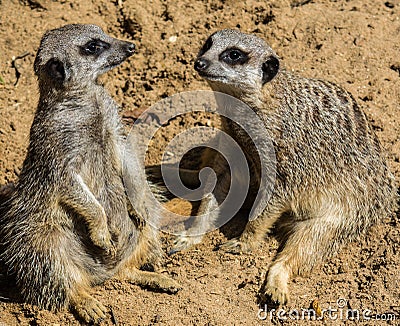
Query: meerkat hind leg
x=309 y=242
x=188 y=177
x=209 y=210
x=201 y=224
x=253 y=233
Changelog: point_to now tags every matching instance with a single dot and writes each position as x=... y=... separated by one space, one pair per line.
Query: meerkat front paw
x=276 y=287
x=102 y=238
x=166 y=284
x=183 y=242
x=277 y=292
x=235 y=246
x=151 y=280
x=89 y=309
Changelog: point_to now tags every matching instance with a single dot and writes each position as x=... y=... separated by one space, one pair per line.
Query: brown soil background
x=353 y=43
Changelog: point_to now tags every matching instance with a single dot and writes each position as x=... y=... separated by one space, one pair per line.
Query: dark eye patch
x=207 y=46
x=234 y=56
x=94 y=47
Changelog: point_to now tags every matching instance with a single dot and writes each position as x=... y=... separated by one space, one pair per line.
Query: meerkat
x=332 y=181
x=67 y=226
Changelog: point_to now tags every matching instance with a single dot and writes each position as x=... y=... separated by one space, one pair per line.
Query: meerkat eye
x=92 y=48
x=95 y=47
x=234 y=57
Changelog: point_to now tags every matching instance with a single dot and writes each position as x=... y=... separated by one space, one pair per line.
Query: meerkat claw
x=90 y=310
x=235 y=246
x=168 y=285
x=277 y=295
x=102 y=239
x=183 y=242
x=152 y=281
x=276 y=287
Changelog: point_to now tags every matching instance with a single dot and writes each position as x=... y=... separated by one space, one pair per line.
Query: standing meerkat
x=67 y=226
x=332 y=181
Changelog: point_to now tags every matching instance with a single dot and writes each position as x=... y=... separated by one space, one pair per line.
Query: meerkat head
x=234 y=62
x=78 y=54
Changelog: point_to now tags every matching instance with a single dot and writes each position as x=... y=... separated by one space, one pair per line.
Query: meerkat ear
x=57 y=70
x=270 y=68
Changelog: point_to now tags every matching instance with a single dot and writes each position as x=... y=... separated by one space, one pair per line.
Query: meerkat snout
x=131 y=48
x=201 y=64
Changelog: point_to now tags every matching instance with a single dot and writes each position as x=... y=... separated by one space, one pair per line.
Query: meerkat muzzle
x=201 y=64
x=130 y=48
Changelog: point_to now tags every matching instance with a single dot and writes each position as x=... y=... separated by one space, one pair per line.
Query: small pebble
x=173 y=38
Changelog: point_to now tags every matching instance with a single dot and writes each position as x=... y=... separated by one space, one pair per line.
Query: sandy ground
x=353 y=43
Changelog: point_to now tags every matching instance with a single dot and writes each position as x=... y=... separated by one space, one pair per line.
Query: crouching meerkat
x=67 y=226
x=332 y=181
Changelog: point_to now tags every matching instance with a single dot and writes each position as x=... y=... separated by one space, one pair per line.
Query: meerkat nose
x=131 y=47
x=201 y=64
